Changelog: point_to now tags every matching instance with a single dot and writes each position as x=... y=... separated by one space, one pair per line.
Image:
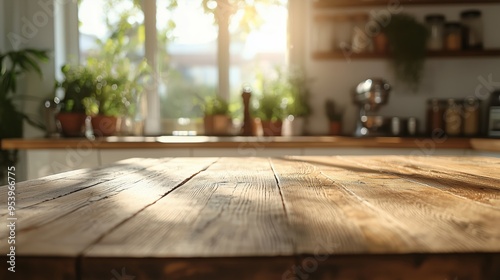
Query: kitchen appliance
x=370 y=95
x=494 y=115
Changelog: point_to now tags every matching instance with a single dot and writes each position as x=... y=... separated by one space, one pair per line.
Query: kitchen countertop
x=376 y=217
x=135 y=142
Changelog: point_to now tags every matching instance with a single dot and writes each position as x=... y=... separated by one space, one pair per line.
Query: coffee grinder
x=370 y=95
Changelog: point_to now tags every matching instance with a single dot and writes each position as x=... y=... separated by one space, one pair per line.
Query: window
x=190 y=55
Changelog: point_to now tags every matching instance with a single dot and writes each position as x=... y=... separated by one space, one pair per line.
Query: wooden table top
x=262 y=218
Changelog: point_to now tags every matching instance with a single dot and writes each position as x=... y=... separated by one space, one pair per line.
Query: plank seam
x=276 y=177
x=81 y=255
x=409 y=179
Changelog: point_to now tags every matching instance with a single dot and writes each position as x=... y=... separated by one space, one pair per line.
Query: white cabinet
x=246 y=151
x=381 y=151
x=110 y=156
x=46 y=162
x=42 y=163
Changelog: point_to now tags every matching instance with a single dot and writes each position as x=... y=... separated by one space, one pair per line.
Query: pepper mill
x=247 y=128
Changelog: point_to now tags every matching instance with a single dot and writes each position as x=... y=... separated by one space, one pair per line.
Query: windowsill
x=171 y=142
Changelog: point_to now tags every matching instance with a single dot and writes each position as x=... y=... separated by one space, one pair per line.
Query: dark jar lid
x=470 y=14
x=435 y=18
x=453 y=25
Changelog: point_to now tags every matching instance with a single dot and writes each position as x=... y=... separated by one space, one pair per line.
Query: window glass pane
x=111 y=28
x=187 y=48
x=260 y=49
x=187 y=62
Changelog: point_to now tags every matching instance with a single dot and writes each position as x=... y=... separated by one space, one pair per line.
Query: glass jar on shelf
x=473 y=29
x=471 y=116
x=435 y=25
x=342 y=32
x=453 y=36
x=453 y=118
x=435 y=113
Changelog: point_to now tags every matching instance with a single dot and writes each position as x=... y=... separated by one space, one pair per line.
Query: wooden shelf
x=363 y=3
x=434 y=54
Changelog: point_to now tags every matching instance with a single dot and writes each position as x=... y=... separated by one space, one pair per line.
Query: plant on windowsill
x=217 y=120
x=293 y=85
x=334 y=117
x=14 y=64
x=407 y=40
x=107 y=95
x=79 y=83
x=271 y=111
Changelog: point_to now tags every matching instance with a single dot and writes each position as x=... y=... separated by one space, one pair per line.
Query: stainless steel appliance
x=370 y=95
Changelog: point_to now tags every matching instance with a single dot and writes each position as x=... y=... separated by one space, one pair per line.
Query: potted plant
x=334 y=117
x=271 y=111
x=297 y=96
x=407 y=42
x=79 y=83
x=216 y=118
x=14 y=64
x=101 y=92
x=106 y=103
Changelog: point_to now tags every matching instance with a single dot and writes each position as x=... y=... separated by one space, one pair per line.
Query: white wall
x=30 y=24
x=443 y=77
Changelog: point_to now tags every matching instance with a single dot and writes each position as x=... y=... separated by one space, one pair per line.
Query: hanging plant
x=407 y=40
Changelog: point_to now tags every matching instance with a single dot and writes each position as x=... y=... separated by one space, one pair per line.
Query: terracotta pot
x=381 y=43
x=104 y=125
x=217 y=125
x=71 y=123
x=335 y=128
x=271 y=128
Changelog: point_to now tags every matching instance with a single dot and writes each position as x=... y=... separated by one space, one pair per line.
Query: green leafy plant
x=79 y=83
x=13 y=64
x=407 y=40
x=270 y=107
x=299 y=93
x=293 y=86
x=97 y=88
x=215 y=105
x=331 y=111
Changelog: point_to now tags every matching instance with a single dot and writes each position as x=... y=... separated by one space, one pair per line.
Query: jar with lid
x=473 y=29
x=452 y=118
x=361 y=42
x=342 y=32
x=471 y=116
x=453 y=36
x=435 y=121
x=435 y=25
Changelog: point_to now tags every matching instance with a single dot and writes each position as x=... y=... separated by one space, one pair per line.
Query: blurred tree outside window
x=187 y=59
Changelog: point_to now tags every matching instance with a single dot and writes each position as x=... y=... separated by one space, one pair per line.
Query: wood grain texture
x=327 y=218
x=233 y=208
x=378 y=217
x=66 y=226
x=436 y=221
x=59 y=185
x=454 y=175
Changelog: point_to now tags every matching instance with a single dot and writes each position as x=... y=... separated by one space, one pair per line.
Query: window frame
x=67 y=50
